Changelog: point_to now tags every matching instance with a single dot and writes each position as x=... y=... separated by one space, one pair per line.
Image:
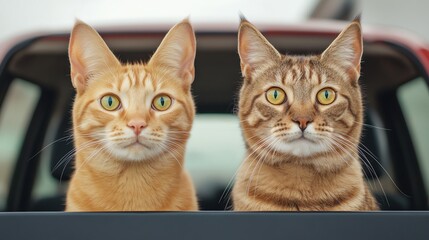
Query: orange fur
x=301 y=155
x=118 y=168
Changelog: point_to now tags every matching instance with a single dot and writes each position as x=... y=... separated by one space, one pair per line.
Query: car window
x=15 y=115
x=215 y=149
x=414 y=100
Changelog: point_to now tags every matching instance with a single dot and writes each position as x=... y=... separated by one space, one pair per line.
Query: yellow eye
x=275 y=96
x=326 y=96
x=110 y=102
x=161 y=102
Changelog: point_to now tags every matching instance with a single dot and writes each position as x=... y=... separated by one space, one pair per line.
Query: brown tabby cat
x=301 y=118
x=131 y=123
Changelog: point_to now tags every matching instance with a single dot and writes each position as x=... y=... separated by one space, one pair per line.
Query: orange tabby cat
x=131 y=123
x=301 y=118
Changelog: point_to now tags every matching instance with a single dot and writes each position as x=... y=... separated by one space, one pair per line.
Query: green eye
x=326 y=96
x=161 y=102
x=275 y=96
x=110 y=102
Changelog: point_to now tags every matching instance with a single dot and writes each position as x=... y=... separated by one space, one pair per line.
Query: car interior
x=388 y=158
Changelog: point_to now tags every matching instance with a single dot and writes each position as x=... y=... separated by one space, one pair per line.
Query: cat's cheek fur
x=261 y=111
x=340 y=115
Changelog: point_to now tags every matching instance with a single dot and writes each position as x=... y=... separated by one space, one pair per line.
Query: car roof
x=371 y=33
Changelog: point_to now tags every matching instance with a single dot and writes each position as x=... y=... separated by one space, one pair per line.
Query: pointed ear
x=254 y=49
x=88 y=54
x=346 y=50
x=176 y=53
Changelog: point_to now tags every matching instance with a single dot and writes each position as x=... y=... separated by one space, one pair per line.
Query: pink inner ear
x=189 y=58
x=254 y=50
x=346 y=49
x=358 y=52
x=77 y=67
x=244 y=49
x=177 y=53
x=246 y=66
x=188 y=65
x=77 y=70
x=88 y=54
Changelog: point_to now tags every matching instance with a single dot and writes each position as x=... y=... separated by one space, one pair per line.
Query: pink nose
x=137 y=125
x=302 y=122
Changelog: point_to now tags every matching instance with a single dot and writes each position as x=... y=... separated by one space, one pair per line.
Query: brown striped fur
x=287 y=168
x=117 y=169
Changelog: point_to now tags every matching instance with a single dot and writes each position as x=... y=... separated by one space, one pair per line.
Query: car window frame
x=216 y=225
x=400 y=139
x=23 y=175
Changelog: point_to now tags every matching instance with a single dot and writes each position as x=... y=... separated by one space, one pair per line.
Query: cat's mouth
x=304 y=139
x=301 y=137
x=136 y=144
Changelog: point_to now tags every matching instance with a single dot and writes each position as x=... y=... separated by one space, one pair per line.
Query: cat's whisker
x=64 y=159
x=348 y=150
x=367 y=151
x=261 y=154
x=101 y=149
x=272 y=149
x=260 y=160
x=346 y=147
x=49 y=145
x=364 y=149
x=252 y=150
x=352 y=146
x=86 y=160
x=373 y=126
x=100 y=134
x=229 y=185
x=175 y=142
x=173 y=137
x=172 y=152
x=68 y=157
x=74 y=151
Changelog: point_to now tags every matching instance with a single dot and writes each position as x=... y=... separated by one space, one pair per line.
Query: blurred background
x=23 y=17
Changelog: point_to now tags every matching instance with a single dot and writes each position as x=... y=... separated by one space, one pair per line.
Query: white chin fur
x=126 y=151
x=301 y=147
x=135 y=153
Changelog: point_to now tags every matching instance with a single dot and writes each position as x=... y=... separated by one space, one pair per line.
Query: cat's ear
x=254 y=49
x=346 y=50
x=176 y=53
x=88 y=54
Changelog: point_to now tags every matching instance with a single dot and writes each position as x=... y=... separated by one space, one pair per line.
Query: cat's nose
x=302 y=122
x=137 y=125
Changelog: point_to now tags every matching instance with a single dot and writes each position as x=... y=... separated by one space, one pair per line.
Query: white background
x=23 y=16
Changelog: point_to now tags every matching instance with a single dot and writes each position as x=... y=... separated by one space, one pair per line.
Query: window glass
x=15 y=115
x=414 y=100
x=215 y=150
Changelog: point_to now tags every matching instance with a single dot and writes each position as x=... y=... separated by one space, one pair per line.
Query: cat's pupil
x=110 y=101
x=161 y=100
x=275 y=94
x=326 y=94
